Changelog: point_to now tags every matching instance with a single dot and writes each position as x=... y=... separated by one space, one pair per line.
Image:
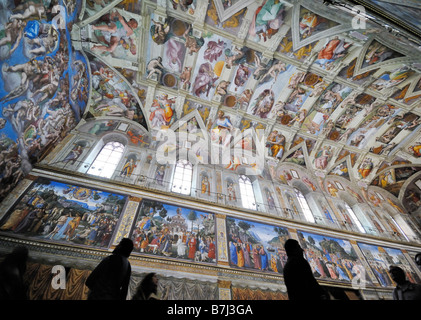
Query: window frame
x=181 y=168
x=305 y=208
x=355 y=218
x=106 y=168
x=247 y=192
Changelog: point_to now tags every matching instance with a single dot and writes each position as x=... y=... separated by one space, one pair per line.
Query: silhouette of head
x=21 y=253
x=149 y=283
x=17 y=258
x=398 y=275
x=293 y=248
x=125 y=247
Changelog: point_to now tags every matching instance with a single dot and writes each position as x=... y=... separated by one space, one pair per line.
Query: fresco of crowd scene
x=55 y=211
x=165 y=230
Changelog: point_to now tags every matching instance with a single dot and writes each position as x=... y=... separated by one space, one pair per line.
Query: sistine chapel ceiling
x=315 y=81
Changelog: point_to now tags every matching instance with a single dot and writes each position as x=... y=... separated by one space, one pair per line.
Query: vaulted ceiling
x=316 y=79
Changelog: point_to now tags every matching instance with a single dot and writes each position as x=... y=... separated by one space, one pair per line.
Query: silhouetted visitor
x=298 y=276
x=148 y=288
x=110 y=279
x=12 y=269
x=404 y=290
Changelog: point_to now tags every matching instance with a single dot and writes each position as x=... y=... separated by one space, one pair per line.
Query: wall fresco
x=381 y=258
x=172 y=231
x=256 y=246
x=111 y=96
x=60 y=212
x=330 y=258
x=44 y=84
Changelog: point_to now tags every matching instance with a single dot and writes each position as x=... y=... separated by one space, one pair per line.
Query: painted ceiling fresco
x=338 y=98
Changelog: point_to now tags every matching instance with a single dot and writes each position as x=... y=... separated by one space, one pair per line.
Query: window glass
x=354 y=218
x=304 y=206
x=182 y=177
x=107 y=160
x=400 y=228
x=247 y=193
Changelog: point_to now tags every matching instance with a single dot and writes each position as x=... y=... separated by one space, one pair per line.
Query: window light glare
x=247 y=193
x=182 y=178
x=304 y=205
x=107 y=160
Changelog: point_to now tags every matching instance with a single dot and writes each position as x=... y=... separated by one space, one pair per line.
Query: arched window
x=182 y=177
x=354 y=218
x=107 y=160
x=304 y=205
x=247 y=193
x=401 y=227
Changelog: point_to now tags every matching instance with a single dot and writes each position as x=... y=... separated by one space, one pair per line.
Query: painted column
x=221 y=236
x=127 y=219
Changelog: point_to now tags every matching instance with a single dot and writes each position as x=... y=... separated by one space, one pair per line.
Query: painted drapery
x=38 y=279
x=257 y=294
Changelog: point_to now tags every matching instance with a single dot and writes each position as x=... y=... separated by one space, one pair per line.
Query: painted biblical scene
x=401 y=126
x=334 y=50
x=377 y=53
x=162 y=111
x=412 y=197
x=114 y=36
x=309 y=143
x=44 y=84
x=272 y=77
x=297 y=157
x=231 y=24
x=191 y=106
x=392 y=180
x=381 y=258
x=311 y=24
x=256 y=246
x=406 y=95
x=392 y=78
x=370 y=126
x=175 y=232
x=351 y=73
x=209 y=66
x=243 y=61
x=171 y=42
x=330 y=258
x=112 y=95
x=59 y=212
x=341 y=170
x=286 y=47
x=318 y=120
x=267 y=21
